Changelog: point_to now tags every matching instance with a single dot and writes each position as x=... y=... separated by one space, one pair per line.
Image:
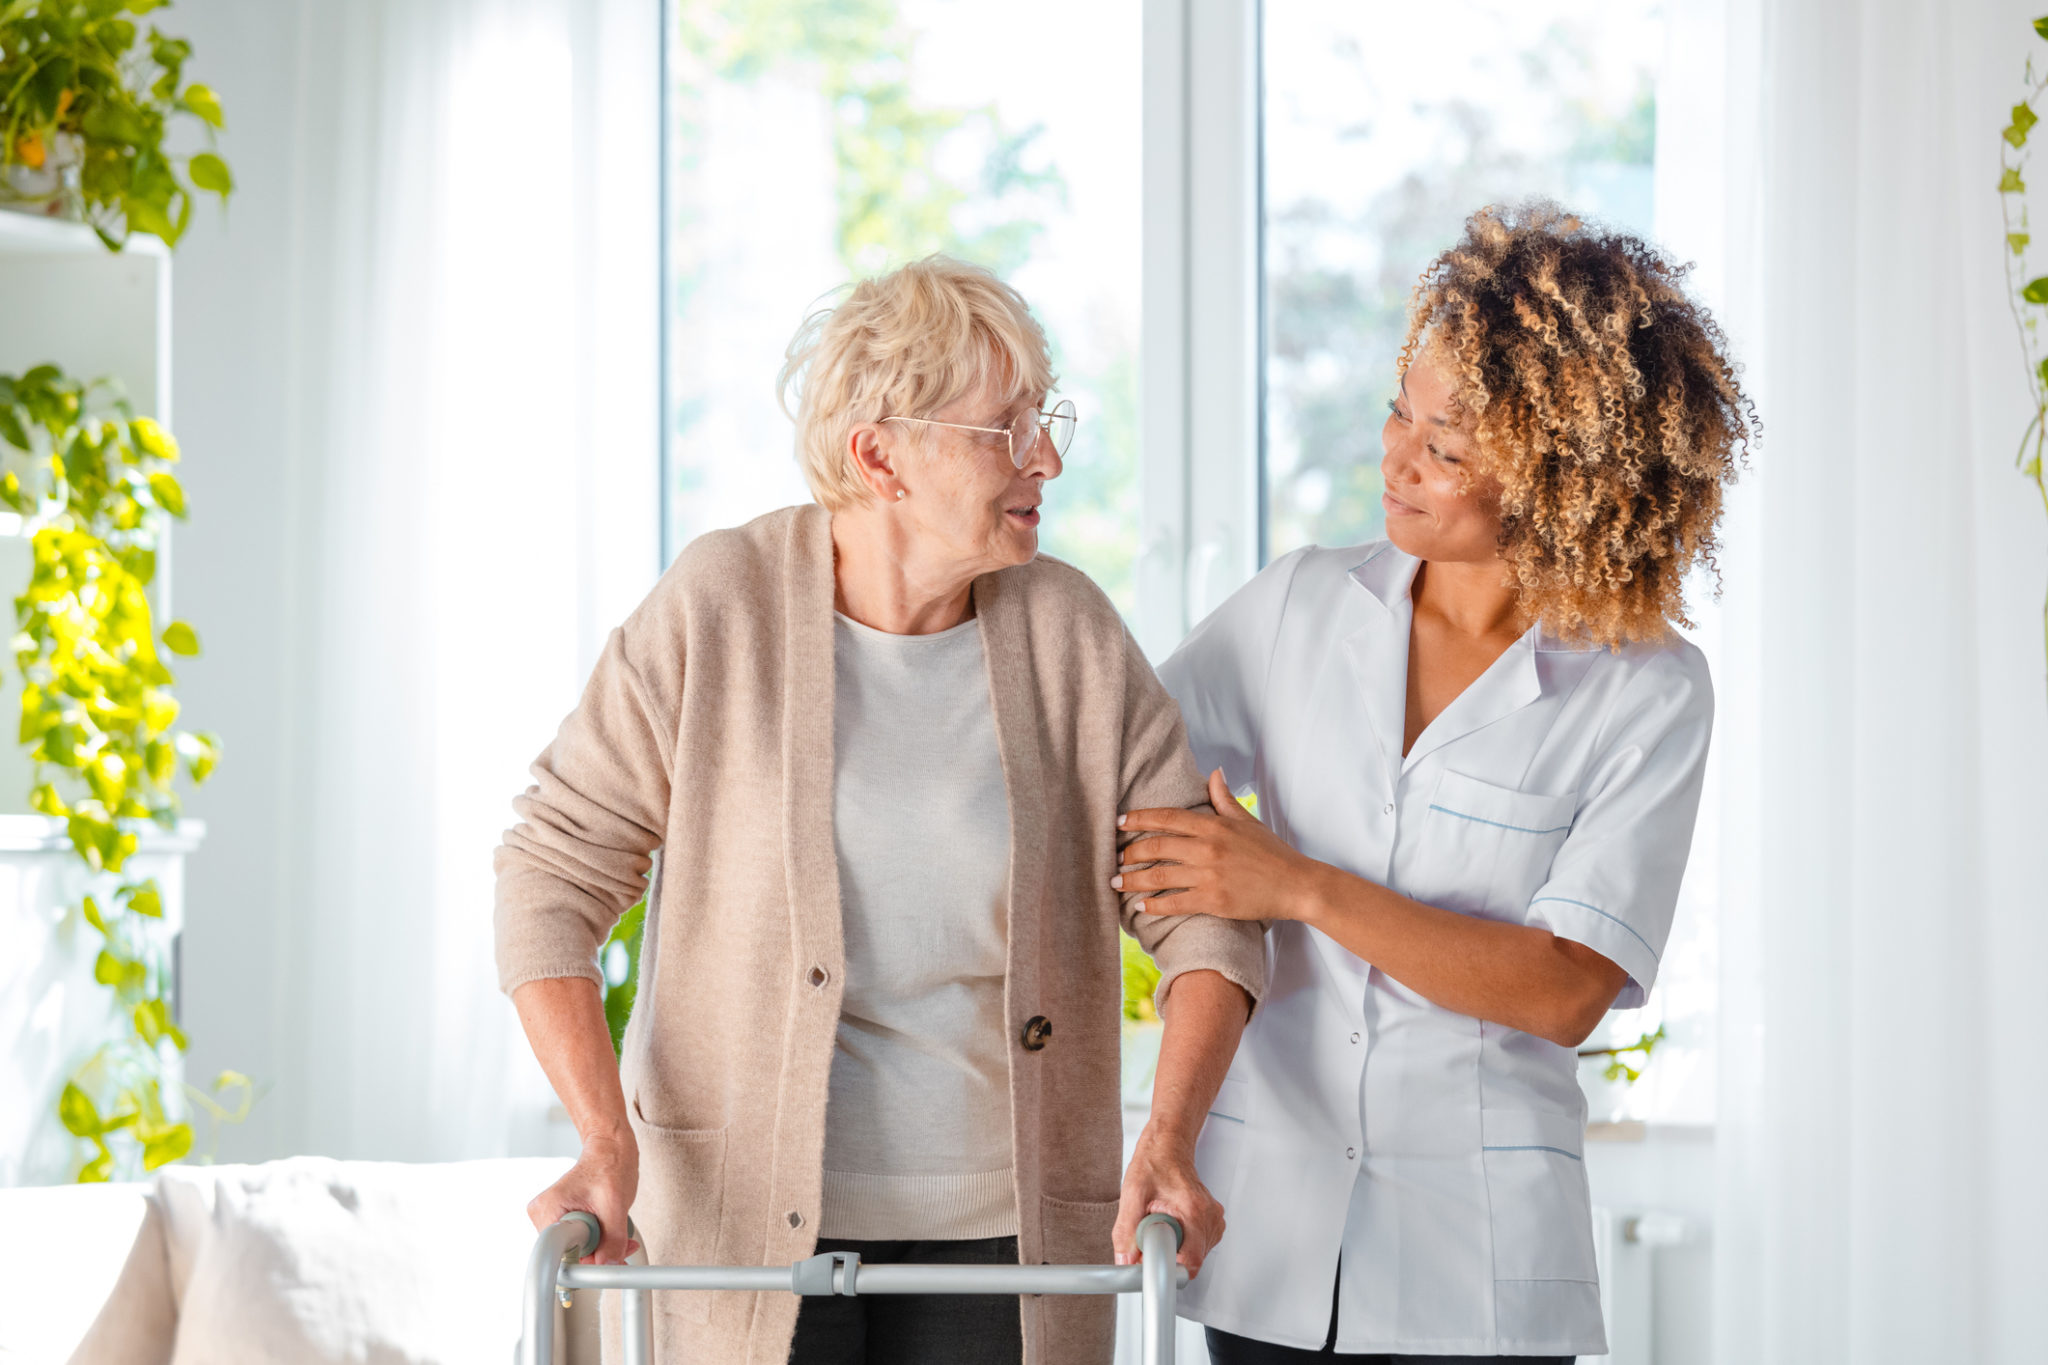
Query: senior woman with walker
x=1478 y=748
x=880 y=745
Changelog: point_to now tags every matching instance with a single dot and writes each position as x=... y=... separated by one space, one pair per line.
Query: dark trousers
x=913 y=1329
x=1227 y=1348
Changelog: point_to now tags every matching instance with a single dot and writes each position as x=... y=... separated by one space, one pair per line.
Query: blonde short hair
x=904 y=344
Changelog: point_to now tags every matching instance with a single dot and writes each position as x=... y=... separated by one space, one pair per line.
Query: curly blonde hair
x=1600 y=399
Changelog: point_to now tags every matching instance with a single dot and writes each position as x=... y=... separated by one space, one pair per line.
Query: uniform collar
x=1389 y=575
x=1386 y=573
x=1378 y=652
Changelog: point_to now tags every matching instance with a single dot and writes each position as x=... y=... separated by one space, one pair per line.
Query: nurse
x=1477 y=747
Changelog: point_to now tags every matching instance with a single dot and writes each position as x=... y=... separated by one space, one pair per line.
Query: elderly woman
x=881 y=745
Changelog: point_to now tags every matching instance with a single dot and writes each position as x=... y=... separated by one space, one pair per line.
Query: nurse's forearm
x=1204 y=1017
x=1513 y=974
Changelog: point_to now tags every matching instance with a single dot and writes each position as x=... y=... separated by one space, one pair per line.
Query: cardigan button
x=1037 y=1033
x=796 y=1220
x=818 y=977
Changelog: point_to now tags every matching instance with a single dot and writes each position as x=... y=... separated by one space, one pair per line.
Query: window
x=1379 y=138
x=812 y=142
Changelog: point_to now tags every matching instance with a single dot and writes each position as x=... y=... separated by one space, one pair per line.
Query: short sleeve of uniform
x=1614 y=884
x=1218 y=674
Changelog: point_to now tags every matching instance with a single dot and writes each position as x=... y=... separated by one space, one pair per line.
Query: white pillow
x=66 y=1248
x=356 y=1263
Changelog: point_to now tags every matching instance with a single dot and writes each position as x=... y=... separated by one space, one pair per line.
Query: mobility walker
x=553 y=1271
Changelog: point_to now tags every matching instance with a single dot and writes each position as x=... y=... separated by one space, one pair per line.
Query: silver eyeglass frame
x=1018 y=459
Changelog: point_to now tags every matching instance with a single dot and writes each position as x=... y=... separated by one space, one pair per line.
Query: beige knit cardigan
x=706 y=731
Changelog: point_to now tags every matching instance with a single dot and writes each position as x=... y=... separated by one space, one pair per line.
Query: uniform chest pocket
x=1491 y=847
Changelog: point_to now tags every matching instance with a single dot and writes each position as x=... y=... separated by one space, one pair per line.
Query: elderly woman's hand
x=602 y=1182
x=1161 y=1179
x=1227 y=864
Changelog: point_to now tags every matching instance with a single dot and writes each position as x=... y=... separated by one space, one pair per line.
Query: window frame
x=1201 y=399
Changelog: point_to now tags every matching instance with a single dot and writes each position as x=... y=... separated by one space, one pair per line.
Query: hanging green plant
x=2028 y=297
x=1618 y=1068
x=93 y=484
x=87 y=99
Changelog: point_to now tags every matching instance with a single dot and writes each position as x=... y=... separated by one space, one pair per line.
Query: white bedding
x=308 y=1260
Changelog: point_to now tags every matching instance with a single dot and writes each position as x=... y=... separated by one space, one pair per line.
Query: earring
x=902 y=493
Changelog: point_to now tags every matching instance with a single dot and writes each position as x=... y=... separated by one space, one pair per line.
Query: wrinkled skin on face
x=966 y=502
x=945 y=505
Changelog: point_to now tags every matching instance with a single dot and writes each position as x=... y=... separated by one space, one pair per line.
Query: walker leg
x=537 y=1342
x=636 y=1308
x=636 y=1325
x=1157 y=1247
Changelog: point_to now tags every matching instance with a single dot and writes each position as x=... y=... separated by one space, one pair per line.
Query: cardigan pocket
x=1077 y=1231
x=681 y=1196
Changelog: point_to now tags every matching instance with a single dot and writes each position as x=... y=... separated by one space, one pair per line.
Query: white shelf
x=43 y=834
x=30 y=234
x=67 y=300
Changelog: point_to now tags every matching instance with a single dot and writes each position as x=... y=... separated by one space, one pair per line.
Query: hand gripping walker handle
x=1180 y=1234
x=595 y=1232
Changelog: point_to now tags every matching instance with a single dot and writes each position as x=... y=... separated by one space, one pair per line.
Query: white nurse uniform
x=1438 y=1154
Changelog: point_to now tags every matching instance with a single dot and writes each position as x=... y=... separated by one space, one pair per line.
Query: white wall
x=235 y=562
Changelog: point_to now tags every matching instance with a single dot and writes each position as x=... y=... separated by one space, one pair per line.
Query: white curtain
x=474 y=426
x=1883 y=715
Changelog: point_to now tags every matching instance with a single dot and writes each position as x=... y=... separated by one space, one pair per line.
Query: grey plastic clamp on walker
x=815 y=1277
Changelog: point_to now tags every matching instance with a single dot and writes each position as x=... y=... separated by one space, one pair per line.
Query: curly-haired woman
x=1478 y=748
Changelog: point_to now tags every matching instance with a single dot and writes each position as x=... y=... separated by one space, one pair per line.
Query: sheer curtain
x=474 y=421
x=1883 y=718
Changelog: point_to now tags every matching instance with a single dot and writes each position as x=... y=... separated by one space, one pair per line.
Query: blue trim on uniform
x=1227 y=1118
x=1567 y=900
x=1377 y=550
x=1535 y=1147
x=1480 y=820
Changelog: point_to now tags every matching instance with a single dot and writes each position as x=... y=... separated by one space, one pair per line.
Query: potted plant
x=93 y=483
x=88 y=98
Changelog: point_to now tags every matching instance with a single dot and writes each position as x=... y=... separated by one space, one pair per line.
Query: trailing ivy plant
x=81 y=78
x=93 y=484
x=1617 y=1068
x=2027 y=296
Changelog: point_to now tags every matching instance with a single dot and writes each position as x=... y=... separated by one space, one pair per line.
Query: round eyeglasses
x=1057 y=426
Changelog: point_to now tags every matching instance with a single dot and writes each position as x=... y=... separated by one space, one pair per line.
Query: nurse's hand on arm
x=1228 y=864
x=1204 y=1015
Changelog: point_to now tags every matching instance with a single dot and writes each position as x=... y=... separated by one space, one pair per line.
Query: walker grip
x=593 y=1227
x=1180 y=1235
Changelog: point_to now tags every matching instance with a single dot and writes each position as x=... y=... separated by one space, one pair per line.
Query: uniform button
x=796 y=1220
x=1350 y=1154
x=818 y=976
x=1354 y=1037
x=1037 y=1033
x=1389 y=808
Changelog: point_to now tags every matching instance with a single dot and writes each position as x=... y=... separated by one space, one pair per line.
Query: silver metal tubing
x=752 y=1278
x=1158 y=1244
x=636 y=1315
x=880 y=1279
x=554 y=1270
x=563 y=1241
